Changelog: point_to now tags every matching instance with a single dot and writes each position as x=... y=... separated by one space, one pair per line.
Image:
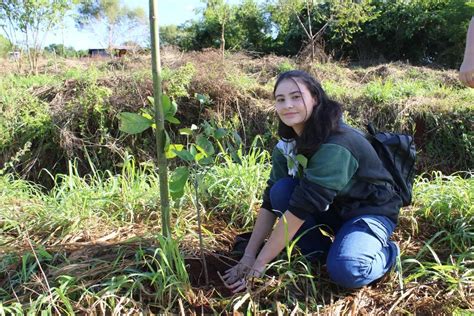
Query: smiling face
x=294 y=103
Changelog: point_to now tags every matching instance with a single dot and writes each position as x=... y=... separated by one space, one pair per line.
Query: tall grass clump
x=444 y=209
x=234 y=187
x=99 y=266
x=77 y=207
x=445 y=198
x=165 y=273
x=113 y=279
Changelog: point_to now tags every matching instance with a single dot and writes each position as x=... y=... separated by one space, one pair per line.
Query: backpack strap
x=371 y=129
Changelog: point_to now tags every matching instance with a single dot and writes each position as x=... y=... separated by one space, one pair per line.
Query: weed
x=235 y=187
x=177 y=81
x=285 y=65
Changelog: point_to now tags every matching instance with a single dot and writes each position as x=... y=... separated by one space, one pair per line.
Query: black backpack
x=398 y=153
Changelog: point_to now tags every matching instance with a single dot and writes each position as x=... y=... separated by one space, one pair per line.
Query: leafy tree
x=225 y=26
x=299 y=11
x=307 y=22
x=252 y=28
x=422 y=31
x=118 y=20
x=219 y=13
x=170 y=35
x=32 y=19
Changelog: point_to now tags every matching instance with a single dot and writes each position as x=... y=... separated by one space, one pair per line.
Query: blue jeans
x=362 y=251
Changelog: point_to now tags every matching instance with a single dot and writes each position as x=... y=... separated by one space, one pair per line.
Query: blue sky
x=170 y=12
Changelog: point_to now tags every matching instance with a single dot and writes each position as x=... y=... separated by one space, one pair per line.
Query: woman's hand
x=239 y=284
x=239 y=271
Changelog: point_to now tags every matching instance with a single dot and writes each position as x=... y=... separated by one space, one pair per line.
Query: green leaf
x=166 y=103
x=178 y=180
x=172 y=149
x=148 y=116
x=206 y=161
x=200 y=149
x=133 y=123
x=237 y=138
x=233 y=153
x=174 y=108
x=205 y=144
x=172 y=120
x=208 y=129
x=44 y=254
x=151 y=100
x=185 y=155
x=302 y=160
x=167 y=141
x=193 y=150
x=200 y=156
x=186 y=131
x=169 y=107
x=220 y=132
x=290 y=163
x=201 y=98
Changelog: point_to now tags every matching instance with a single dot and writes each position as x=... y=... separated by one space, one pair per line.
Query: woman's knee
x=280 y=193
x=348 y=272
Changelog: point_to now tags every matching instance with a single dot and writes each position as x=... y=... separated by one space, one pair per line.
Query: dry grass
x=86 y=95
x=94 y=259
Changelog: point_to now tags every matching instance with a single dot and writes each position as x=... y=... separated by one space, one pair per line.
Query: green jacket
x=344 y=176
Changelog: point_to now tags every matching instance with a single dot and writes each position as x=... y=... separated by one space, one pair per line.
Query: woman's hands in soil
x=237 y=277
x=240 y=270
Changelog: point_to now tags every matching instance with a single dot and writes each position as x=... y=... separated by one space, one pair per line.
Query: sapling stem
x=159 y=119
x=201 y=243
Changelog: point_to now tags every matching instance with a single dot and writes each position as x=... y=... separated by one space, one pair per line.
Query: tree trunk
x=159 y=118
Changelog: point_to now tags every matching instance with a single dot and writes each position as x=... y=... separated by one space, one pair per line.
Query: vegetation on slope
x=48 y=119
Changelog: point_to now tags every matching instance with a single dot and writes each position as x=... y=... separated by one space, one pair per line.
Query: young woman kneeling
x=344 y=188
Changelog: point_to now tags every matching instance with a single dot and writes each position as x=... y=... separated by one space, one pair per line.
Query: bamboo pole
x=159 y=118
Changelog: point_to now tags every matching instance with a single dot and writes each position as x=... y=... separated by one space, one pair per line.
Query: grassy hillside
x=79 y=210
x=71 y=110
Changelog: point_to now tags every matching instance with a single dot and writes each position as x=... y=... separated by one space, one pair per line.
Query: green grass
x=76 y=204
x=234 y=188
x=57 y=234
x=443 y=208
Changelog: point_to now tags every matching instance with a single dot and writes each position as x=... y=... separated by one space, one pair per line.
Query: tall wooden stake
x=159 y=118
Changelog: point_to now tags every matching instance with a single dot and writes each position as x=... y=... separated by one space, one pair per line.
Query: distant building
x=98 y=52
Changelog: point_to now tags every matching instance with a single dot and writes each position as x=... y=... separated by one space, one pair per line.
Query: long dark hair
x=323 y=120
